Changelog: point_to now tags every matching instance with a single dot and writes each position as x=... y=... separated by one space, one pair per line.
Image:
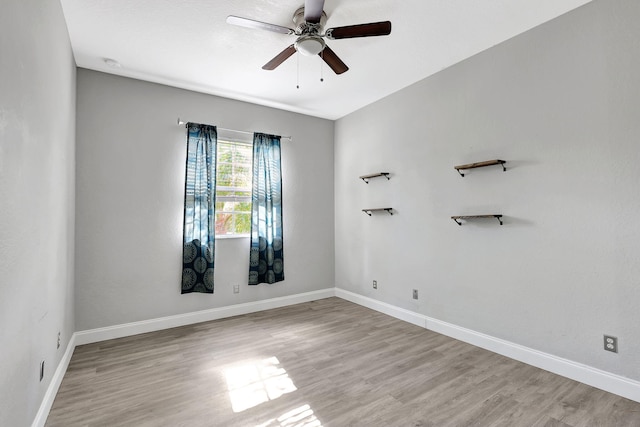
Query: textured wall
x=37 y=133
x=560 y=103
x=130 y=190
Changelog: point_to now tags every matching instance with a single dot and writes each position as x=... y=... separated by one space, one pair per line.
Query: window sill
x=232 y=236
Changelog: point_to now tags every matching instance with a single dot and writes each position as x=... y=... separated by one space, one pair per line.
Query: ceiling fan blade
x=333 y=61
x=362 y=30
x=313 y=10
x=257 y=25
x=279 y=58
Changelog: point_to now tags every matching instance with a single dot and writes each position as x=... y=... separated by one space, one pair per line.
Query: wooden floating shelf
x=370 y=211
x=366 y=178
x=457 y=218
x=481 y=165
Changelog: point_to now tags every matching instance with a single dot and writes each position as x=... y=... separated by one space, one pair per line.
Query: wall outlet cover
x=611 y=343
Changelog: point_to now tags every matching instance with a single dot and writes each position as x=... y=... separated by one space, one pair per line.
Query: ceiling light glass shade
x=310 y=45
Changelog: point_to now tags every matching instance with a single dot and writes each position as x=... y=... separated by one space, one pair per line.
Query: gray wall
x=130 y=190
x=37 y=132
x=561 y=104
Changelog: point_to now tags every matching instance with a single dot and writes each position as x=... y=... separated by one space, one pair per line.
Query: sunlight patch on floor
x=299 y=417
x=258 y=382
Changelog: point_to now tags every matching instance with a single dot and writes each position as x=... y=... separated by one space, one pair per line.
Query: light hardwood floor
x=327 y=363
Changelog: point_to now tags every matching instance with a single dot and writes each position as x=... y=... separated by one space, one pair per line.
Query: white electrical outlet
x=236 y=289
x=375 y=284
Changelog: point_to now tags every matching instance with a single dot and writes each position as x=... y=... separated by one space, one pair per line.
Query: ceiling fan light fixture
x=310 y=45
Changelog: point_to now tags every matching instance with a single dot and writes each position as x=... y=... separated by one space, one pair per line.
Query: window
x=233 y=184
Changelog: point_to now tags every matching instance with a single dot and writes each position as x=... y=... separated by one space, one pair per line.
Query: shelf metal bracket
x=458 y=218
x=370 y=211
x=366 y=178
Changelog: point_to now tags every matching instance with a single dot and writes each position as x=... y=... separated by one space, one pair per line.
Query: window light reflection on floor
x=299 y=417
x=255 y=383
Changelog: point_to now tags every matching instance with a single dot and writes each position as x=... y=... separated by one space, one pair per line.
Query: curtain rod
x=181 y=122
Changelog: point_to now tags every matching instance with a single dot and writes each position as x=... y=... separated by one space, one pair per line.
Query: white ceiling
x=188 y=44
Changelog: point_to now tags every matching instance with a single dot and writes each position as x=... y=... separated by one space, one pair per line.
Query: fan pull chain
x=298 y=70
x=321 y=66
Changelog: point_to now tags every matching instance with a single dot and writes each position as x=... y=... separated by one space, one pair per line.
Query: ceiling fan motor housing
x=310 y=42
x=304 y=27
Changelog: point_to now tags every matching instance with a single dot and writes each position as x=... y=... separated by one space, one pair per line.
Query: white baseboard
x=54 y=385
x=383 y=307
x=135 y=328
x=594 y=377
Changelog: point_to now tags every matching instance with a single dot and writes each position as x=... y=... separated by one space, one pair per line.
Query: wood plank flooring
x=328 y=363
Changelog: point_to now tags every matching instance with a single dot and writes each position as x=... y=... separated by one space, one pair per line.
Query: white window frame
x=233 y=138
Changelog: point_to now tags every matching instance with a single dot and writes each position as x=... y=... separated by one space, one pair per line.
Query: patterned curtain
x=266 y=262
x=199 y=209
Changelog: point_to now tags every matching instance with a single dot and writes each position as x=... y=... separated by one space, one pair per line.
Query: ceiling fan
x=310 y=20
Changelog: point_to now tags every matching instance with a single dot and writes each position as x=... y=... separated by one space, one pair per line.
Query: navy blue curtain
x=199 y=209
x=266 y=262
